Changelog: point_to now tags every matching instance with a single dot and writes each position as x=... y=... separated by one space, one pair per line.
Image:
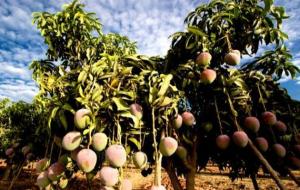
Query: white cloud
x=18 y=91
x=11 y=71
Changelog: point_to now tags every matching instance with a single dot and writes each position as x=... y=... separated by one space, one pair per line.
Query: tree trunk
x=172 y=175
x=190 y=177
x=255 y=184
x=267 y=165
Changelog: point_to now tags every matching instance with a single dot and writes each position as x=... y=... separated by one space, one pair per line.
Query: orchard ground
x=209 y=179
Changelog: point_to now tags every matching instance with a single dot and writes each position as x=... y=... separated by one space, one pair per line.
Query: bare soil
x=210 y=179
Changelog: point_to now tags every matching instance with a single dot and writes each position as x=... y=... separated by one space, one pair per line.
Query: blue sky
x=148 y=22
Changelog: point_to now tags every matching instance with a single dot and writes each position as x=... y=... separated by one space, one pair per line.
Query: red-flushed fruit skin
x=188 y=118
x=280 y=127
x=177 y=122
x=294 y=162
x=86 y=160
x=109 y=176
x=55 y=170
x=262 y=144
x=136 y=110
x=75 y=152
x=240 y=139
x=279 y=150
x=233 y=58
x=203 y=59
x=269 y=118
x=116 y=155
x=222 y=141
x=208 y=76
x=168 y=146
x=252 y=124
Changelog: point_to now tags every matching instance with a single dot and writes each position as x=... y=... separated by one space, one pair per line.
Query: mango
x=71 y=140
x=240 y=139
x=109 y=176
x=116 y=155
x=82 y=118
x=86 y=160
x=99 y=141
x=168 y=146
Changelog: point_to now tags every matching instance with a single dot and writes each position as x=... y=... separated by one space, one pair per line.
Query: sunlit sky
x=148 y=22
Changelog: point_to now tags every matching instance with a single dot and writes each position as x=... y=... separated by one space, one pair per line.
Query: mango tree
x=107 y=103
x=244 y=120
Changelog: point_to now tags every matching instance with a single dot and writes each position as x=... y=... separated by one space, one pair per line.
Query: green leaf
x=135 y=142
x=63 y=119
x=82 y=76
x=121 y=104
x=86 y=131
x=52 y=115
x=88 y=53
x=68 y=107
x=136 y=121
x=165 y=85
x=197 y=31
x=268 y=4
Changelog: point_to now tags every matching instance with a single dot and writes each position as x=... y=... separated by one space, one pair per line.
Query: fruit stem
x=205 y=49
x=92 y=127
x=218 y=116
x=167 y=124
x=264 y=107
x=158 y=157
x=261 y=100
x=233 y=111
x=51 y=149
x=119 y=136
x=228 y=42
x=266 y=164
x=140 y=127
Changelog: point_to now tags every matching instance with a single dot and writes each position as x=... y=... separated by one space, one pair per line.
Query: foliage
x=101 y=73
x=22 y=124
x=218 y=28
x=221 y=26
